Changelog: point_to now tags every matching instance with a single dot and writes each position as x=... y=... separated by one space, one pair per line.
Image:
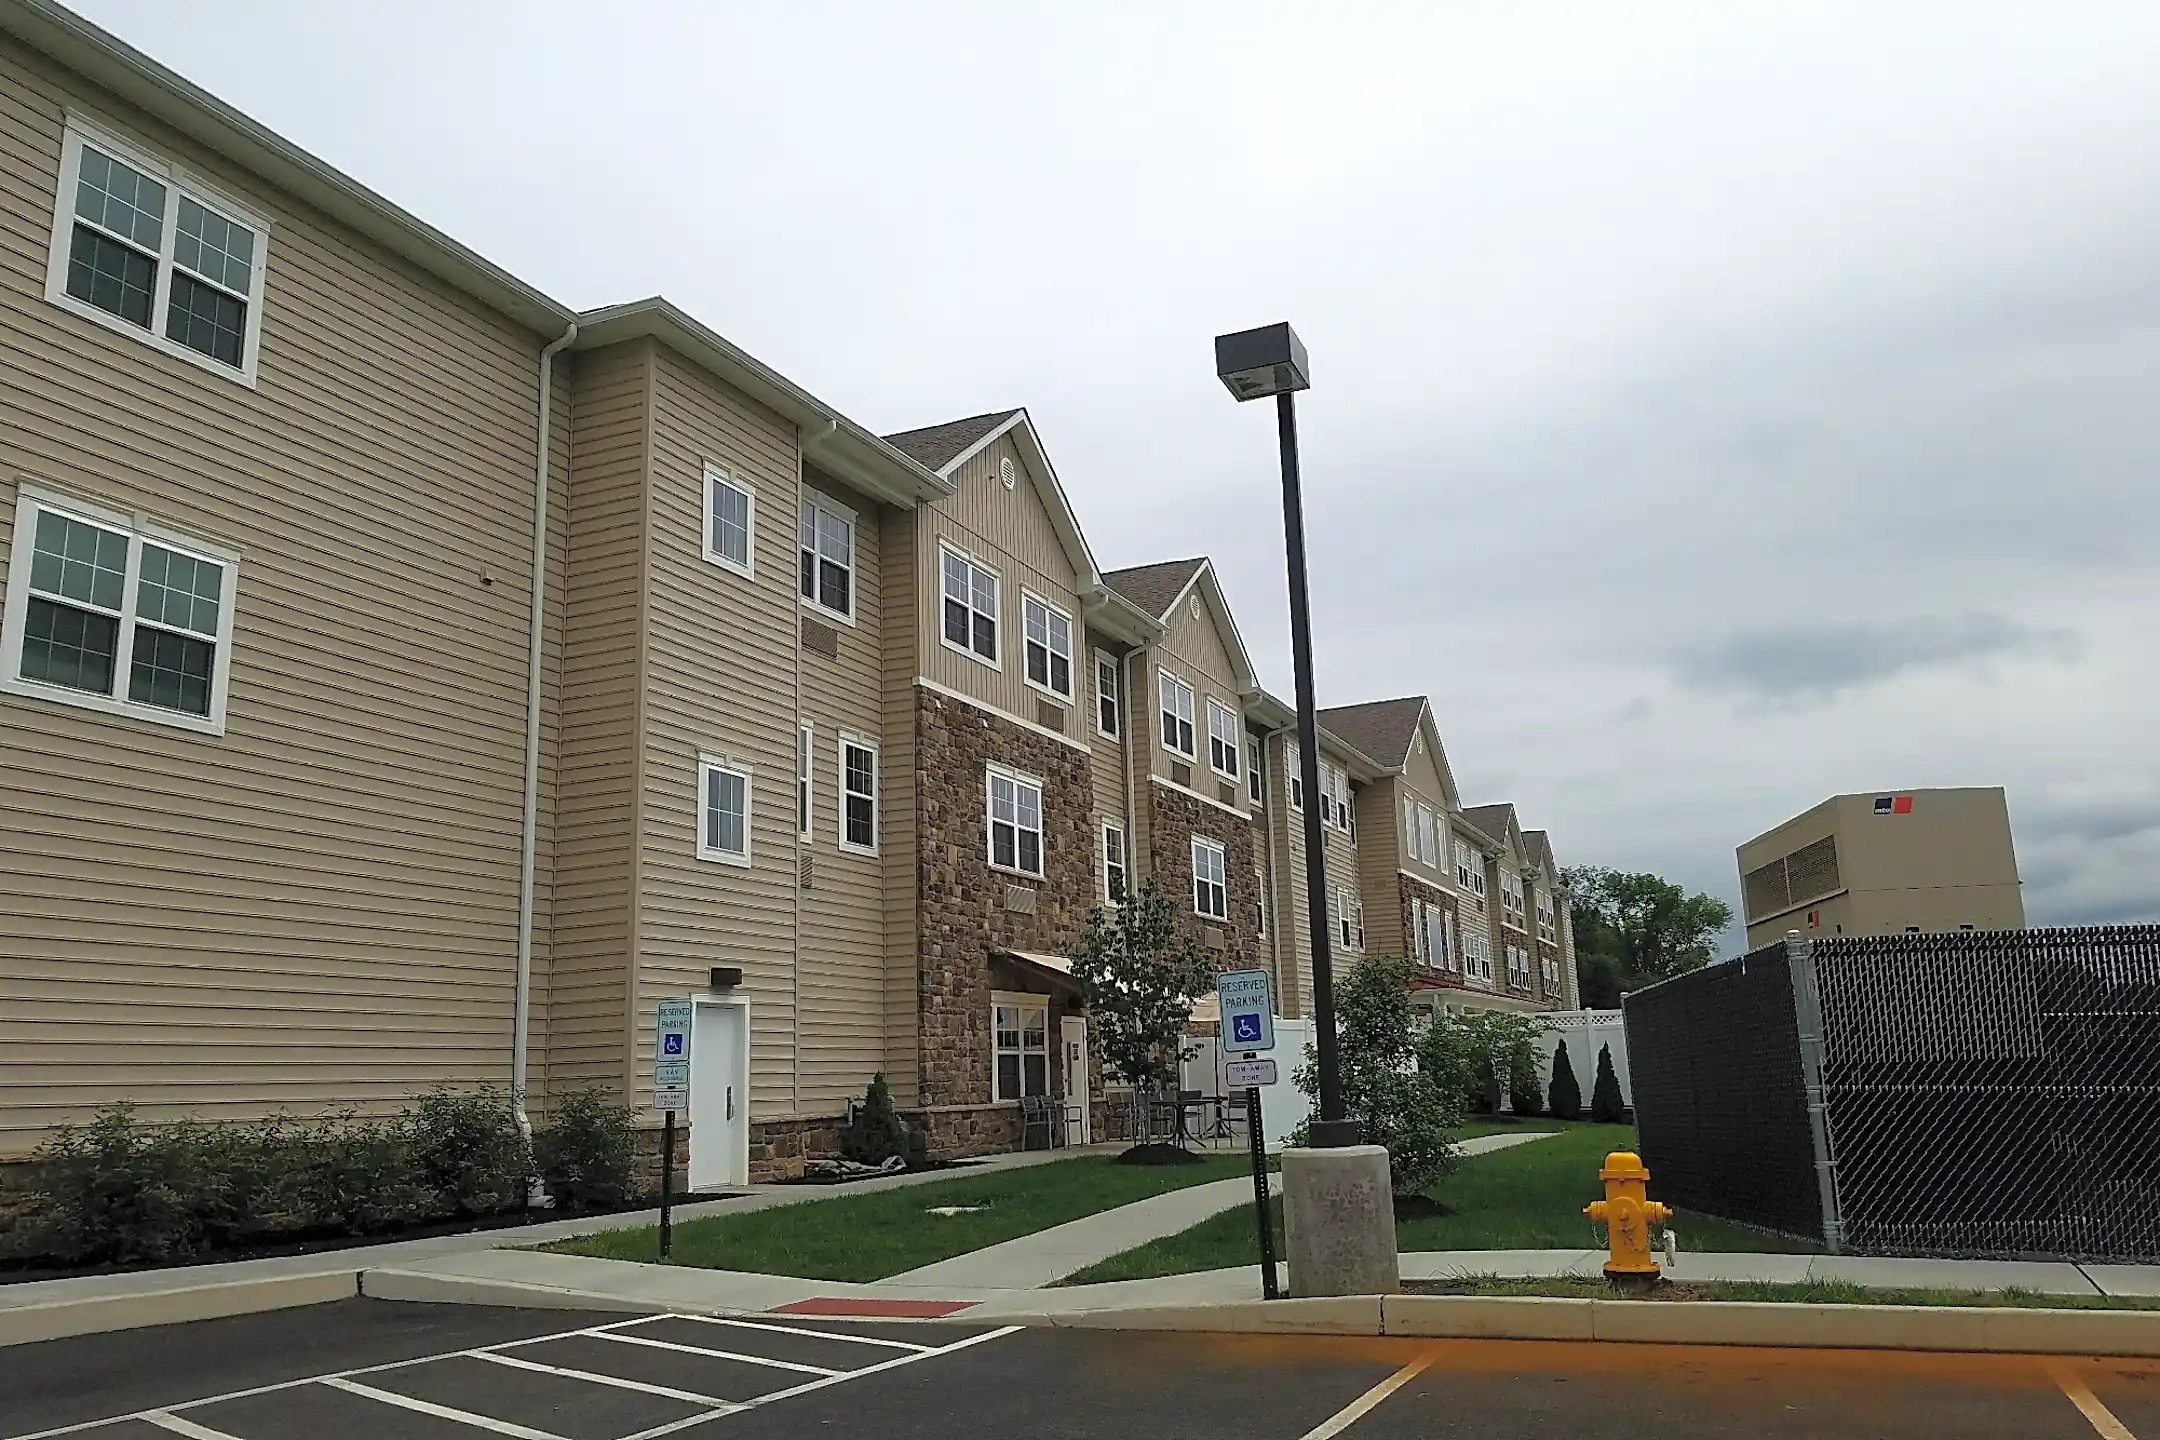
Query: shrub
x=1565 y=1096
x=587 y=1152
x=1525 y=1096
x=469 y=1152
x=877 y=1133
x=1606 y=1106
x=1396 y=1099
x=112 y=1192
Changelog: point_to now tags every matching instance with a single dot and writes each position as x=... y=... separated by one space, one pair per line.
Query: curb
x=61 y=1319
x=460 y=1290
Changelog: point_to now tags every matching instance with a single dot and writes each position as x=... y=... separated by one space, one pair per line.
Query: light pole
x=1254 y=364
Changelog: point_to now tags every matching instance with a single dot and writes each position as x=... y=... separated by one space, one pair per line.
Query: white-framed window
x=1015 y=821
x=1477 y=954
x=1113 y=862
x=971 y=606
x=1047 y=636
x=858 y=795
x=730 y=522
x=1434 y=935
x=805 y=745
x=1177 y=715
x=1334 y=794
x=1550 y=965
x=1295 y=776
x=1107 y=704
x=1545 y=927
x=723 y=811
x=1255 y=772
x=114 y=613
x=1020 y=1046
x=1210 y=878
x=1350 y=919
x=827 y=545
x=1511 y=897
x=1518 y=967
x=142 y=247
x=1260 y=907
x=1448 y=946
x=1469 y=869
x=1428 y=835
x=1222 y=739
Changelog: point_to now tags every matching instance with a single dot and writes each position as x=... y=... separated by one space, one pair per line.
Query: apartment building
x=407 y=681
x=1888 y=863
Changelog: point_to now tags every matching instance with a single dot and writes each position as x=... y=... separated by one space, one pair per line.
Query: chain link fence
x=1972 y=1094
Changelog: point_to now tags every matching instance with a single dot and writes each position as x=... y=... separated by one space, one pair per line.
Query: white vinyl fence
x=1584 y=1031
x=1283 y=1107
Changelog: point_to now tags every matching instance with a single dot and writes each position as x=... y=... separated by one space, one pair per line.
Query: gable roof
x=1496 y=822
x=943 y=449
x=1382 y=729
x=1155 y=588
x=937 y=446
x=1537 y=846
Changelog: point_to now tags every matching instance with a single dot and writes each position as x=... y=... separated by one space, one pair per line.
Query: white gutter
x=521 y=1028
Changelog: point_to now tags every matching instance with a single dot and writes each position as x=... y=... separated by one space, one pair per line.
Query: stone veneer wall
x=1174 y=818
x=1541 y=951
x=962 y=914
x=1409 y=889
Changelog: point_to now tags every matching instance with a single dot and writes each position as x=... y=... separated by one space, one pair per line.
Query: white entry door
x=719 y=1093
x=1079 y=1100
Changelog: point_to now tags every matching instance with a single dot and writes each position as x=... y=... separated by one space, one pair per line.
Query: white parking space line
x=646 y=1387
x=797 y=1366
x=182 y=1427
x=785 y=1330
x=440 y=1412
x=1357 y=1409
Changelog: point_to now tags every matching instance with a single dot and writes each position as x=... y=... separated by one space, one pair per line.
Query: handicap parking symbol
x=673 y=1044
x=1245 y=1029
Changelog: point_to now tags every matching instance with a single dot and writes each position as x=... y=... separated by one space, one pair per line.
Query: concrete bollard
x=1339 y=1222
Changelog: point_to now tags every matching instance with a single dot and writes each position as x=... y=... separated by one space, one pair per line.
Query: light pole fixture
x=1254 y=364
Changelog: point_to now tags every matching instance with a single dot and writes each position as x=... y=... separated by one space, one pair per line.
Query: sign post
x=671 y=1092
x=1246 y=1003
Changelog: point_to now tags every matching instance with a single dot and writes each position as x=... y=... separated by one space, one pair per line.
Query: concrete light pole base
x=1339 y=1222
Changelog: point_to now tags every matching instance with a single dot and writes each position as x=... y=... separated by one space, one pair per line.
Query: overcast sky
x=1716 y=406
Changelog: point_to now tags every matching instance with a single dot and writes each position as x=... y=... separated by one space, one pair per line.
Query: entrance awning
x=1053 y=970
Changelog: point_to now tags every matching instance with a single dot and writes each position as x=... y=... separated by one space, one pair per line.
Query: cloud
x=1803 y=664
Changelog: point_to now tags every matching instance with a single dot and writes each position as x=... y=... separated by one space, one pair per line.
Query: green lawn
x=1812 y=1292
x=872 y=1236
x=1529 y=1197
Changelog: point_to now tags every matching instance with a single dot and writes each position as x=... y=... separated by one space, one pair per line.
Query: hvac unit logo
x=1893 y=804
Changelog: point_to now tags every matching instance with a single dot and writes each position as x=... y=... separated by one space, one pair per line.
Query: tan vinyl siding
x=720 y=665
x=842 y=966
x=1106 y=755
x=1382 y=848
x=1342 y=869
x=319 y=907
x=1287 y=846
x=897 y=696
x=1010 y=531
x=603 y=638
x=1194 y=651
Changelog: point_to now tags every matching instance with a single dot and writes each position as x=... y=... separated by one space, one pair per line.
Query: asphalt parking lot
x=364 y=1369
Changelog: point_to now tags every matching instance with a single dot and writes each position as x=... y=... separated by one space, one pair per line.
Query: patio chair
x=1037 y=1118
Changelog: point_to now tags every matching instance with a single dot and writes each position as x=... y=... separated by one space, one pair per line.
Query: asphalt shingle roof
x=1538 y=846
x=1492 y=820
x=1381 y=729
x=1154 y=588
x=935 y=446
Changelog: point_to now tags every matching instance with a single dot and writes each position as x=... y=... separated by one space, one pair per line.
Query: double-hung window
x=858 y=795
x=1016 y=821
x=1106 y=695
x=1433 y=922
x=971 y=606
x=730 y=518
x=1550 y=964
x=827 y=544
x=1428 y=835
x=111 y=613
x=1255 y=773
x=1477 y=954
x=805 y=742
x=1260 y=906
x=1210 y=878
x=1296 y=776
x=1350 y=919
x=1021 y=1053
x=1048 y=633
x=141 y=247
x=1113 y=862
x=1511 y=897
x=1222 y=739
x=1177 y=715
x=1334 y=795
x=1469 y=870
x=723 y=811
x=1545 y=927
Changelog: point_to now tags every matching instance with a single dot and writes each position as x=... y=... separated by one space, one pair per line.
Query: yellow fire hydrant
x=1628 y=1213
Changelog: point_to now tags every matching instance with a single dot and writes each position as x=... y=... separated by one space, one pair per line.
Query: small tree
x=1397 y=1101
x=877 y=1133
x=1491 y=1050
x=1606 y=1106
x=1141 y=973
x=1565 y=1096
x=1525 y=1096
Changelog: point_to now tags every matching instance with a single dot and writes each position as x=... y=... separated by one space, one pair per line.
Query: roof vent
x=1195 y=608
x=1007 y=473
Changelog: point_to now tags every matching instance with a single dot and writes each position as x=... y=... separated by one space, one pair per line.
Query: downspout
x=521 y=1028
x=1133 y=754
